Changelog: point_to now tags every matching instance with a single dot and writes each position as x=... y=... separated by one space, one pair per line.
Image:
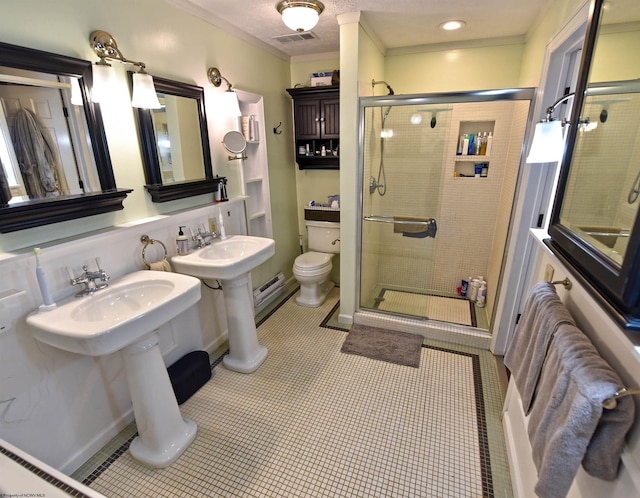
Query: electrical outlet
x=213 y=225
x=548 y=273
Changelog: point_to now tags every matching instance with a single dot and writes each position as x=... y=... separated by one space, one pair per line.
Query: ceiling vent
x=296 y=37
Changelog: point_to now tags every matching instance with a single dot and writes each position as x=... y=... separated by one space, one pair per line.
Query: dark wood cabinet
x=316 y=113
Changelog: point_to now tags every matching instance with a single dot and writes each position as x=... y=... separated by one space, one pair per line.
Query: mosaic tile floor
x=312 y=421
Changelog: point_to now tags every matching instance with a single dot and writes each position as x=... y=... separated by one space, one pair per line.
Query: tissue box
x=321 y=79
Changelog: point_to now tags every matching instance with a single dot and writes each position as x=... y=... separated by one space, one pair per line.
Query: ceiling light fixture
x=452 y=25
x=105 y=47
x=300 y=15
x=230 y=98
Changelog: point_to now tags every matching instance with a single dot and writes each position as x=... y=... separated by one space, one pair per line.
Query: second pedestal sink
x=125 y=317
x=230 y=262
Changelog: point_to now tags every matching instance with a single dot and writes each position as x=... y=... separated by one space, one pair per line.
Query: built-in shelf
x=255 y=169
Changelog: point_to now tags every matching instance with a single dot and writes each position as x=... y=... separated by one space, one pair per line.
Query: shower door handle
x=392 y=219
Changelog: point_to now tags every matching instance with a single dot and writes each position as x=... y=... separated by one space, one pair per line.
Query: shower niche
x=472 y=160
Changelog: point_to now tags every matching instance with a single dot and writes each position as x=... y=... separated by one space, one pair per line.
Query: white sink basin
x=226 y=259
x=117 y=316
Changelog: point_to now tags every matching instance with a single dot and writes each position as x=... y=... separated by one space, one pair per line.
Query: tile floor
x=312 y=421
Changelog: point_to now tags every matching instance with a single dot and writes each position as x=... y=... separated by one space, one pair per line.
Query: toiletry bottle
x=182 y=242
x=472 y=144
x=489 y=143
x=478 y=144
x=475 y=285
x=47 y=300
x=483 y=144
x=481 y=299
x=465 y=144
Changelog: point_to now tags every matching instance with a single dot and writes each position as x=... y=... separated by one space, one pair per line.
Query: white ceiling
x=397 y=24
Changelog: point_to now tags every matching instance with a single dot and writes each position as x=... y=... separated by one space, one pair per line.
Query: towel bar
x=146 y=241
x=566 y=283
x=390 y=219
x=611 y=403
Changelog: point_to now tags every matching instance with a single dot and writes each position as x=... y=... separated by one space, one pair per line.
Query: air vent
x=296 y=37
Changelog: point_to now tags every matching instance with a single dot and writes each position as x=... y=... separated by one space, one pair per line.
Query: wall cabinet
x=316 y=113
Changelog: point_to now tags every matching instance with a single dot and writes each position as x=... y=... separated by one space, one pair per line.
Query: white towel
x=568 y=424
x=526 y=352
x=162 y=265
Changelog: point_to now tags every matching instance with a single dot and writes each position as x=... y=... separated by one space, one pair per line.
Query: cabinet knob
x=317 y=119
x=322 y=120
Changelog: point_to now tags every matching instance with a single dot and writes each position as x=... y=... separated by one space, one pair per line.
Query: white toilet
x=312 y=269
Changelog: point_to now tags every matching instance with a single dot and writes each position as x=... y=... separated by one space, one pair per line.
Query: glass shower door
x=403 y=153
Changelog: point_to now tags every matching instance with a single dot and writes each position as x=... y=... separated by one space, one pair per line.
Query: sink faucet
x=203 y=238
x=88 y=278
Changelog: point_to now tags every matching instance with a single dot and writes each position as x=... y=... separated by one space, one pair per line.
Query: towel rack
x=566 y=283
x=146 y=240
x=611 y=402
x=390 y=219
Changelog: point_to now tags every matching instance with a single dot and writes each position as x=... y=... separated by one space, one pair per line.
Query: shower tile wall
x=469 y=215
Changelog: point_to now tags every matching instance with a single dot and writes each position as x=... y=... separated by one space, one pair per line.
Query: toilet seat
x=312 y=261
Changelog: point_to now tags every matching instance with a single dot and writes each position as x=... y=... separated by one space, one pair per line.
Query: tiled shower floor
x=312 y=421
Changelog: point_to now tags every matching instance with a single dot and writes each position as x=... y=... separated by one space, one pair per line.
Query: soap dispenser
x=182 y=242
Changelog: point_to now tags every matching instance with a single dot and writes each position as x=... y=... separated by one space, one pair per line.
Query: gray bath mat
x=401 y=348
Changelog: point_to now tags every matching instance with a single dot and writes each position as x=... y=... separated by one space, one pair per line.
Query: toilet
x=313 y=268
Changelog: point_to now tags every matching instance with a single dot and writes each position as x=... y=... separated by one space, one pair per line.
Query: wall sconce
x=229 y=98
x=548 y=141
x=105 y=47
x=300 y=15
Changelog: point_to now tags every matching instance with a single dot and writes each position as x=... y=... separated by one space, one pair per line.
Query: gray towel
x=526 y=352
x=568 y=424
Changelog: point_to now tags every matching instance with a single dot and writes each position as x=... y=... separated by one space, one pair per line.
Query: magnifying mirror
x=235 y=143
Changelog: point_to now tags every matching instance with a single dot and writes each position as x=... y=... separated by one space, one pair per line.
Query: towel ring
x=612 y=402
x=147 y=241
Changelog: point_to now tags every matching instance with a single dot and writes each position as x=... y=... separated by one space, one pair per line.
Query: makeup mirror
x=234 y=142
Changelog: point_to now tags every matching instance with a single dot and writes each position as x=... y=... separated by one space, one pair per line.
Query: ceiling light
x=300 y=15
x=452 y=25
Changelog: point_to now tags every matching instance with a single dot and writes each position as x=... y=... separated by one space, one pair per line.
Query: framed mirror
x=54 y=158
x=595 y=224
x=175 y=143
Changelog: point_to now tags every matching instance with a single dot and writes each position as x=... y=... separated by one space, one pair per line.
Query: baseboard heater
x=262 y=293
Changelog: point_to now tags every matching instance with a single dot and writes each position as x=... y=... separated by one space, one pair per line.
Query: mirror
x=55 y=163
x=235 y=143
x=595 y=221
x=175 y=143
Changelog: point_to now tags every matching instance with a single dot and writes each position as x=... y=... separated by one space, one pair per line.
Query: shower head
x=374 y=83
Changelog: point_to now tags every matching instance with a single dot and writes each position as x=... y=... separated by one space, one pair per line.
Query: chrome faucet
x=203 y=238
x=89 y=278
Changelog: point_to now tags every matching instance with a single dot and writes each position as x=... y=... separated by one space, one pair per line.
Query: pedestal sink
x=230 y=262
x=125 y=317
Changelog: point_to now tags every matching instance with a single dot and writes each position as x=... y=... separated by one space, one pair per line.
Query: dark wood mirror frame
x=148 y=143
x=616 y=287
x=40 y=212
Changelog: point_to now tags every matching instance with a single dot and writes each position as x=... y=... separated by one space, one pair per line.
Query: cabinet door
x=307 y=118
x=330 y=118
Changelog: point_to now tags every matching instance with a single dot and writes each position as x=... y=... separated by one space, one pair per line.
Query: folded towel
x=162 y=265
x=527 y=349
x=567 y=424
x=419 y=229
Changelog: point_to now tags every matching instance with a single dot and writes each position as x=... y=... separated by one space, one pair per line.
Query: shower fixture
x=374 y=83
x=416 y=119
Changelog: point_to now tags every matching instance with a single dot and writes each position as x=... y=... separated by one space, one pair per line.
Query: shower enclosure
x=432 y=214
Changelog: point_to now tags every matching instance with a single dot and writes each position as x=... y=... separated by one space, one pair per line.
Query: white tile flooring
x=312 y=421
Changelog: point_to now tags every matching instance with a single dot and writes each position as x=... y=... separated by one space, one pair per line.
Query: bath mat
x=443 y=309
x=400 y=348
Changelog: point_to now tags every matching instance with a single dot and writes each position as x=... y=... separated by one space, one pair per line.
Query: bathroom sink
x=226 y=259
x=119 y=315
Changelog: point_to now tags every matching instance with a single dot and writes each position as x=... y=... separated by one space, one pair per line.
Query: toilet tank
x=322 y=235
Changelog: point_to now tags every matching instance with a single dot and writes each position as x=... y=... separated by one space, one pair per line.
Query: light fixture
x=229 y=98
x=105 y=47
x=300 y=15
x=452 y=25
x=548 y=140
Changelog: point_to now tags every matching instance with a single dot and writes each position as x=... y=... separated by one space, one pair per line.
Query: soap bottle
x=483 y=144
x=182 y=242
x=47 y=300
x=481 y=298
